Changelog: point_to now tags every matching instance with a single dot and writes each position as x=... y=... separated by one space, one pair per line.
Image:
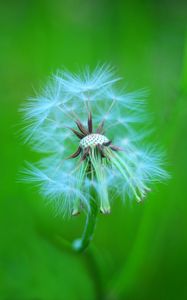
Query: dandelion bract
x=89 y=133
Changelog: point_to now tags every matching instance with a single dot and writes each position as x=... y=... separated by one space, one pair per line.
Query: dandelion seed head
x=87 y=113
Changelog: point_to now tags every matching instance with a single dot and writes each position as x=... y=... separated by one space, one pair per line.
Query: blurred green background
x=141 y=250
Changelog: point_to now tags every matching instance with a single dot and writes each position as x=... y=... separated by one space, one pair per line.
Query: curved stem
x=93 y=268
x=78 y=245
x=81 y=244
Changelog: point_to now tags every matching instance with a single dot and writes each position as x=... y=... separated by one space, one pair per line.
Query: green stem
x=78 y=245
x=89 y=258
x=92 y=264
x=81 y=244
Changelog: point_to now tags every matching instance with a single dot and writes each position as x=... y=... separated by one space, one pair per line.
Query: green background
x=141 y=250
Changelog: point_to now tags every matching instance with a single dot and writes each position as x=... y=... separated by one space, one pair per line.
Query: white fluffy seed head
x=47 y=117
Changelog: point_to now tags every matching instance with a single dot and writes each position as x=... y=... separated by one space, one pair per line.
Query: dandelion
x=86 y=113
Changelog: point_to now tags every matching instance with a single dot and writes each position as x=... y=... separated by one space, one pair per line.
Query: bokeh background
x=141 y=250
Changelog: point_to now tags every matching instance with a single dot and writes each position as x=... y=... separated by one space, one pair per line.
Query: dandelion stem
x=80 y=245
x=89 y=258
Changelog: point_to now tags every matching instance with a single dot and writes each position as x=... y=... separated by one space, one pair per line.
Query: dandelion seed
x=85 y=113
